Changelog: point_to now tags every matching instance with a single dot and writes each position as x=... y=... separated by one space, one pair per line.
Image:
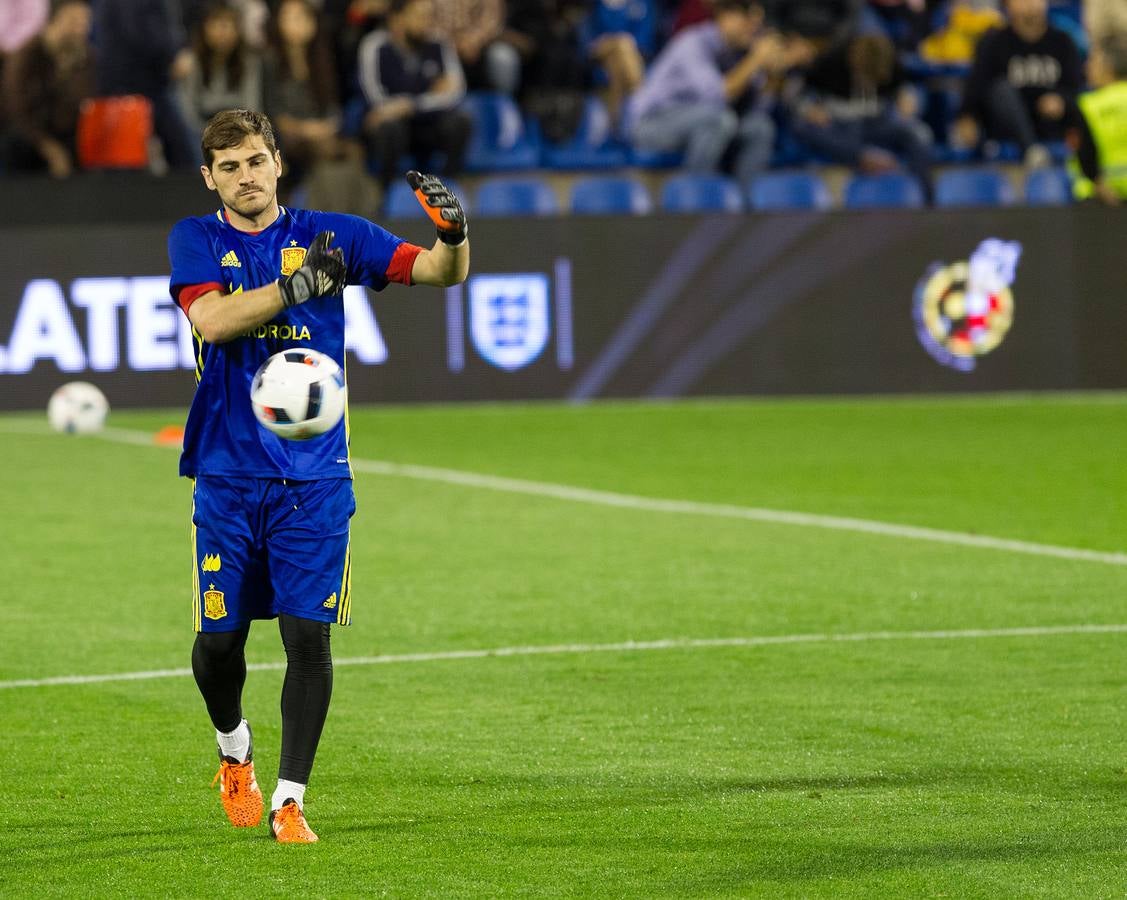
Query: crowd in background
x=356 y=86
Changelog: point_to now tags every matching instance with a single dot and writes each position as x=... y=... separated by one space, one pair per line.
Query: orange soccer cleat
x=238 y=791
x=288 y=825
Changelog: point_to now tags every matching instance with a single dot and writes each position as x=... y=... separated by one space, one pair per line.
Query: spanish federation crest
x=292 y=258
x=963 y=310
x=213 y=605
x=509 y=318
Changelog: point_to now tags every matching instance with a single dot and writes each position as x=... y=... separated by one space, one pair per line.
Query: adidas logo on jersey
x=229 y=259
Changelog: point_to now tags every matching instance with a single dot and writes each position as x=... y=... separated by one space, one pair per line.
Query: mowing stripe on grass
x=619 y=647
x=681 y=507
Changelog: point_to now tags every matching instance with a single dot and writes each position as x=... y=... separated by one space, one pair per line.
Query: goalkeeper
x=270 y=518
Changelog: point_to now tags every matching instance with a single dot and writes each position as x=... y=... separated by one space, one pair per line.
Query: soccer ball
x=298 y=394
x=78 y=408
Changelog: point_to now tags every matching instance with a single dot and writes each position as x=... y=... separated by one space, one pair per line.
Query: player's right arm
x=217 y=318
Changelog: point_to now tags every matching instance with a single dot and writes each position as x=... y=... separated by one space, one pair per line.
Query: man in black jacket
x=412 y=86
x=1023 y=84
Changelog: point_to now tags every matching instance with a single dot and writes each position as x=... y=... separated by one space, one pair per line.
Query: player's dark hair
x=231 y=127
x=1114 y=50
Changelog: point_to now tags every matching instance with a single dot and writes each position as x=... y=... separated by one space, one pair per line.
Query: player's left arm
x=448 y=261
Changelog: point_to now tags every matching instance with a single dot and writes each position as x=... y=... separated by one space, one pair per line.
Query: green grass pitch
x=958 y=766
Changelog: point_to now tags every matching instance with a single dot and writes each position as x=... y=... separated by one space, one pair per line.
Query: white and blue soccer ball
x=78 y=408
x=298 y=394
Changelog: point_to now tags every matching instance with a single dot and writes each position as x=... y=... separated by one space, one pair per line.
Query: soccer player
x=270 y=517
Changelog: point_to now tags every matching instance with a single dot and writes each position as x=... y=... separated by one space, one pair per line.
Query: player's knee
x=306 y=643
x=219 y=647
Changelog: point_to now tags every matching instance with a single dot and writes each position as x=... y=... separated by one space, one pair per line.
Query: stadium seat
x=894 y=189
x=401 y=203
x=691 y=192
x=512 y=196
x=592 y=147
x=1048 y=187
x=973 y=187
x=610 y=194
x=789 y=190
x=114 y=132
x=499 y=140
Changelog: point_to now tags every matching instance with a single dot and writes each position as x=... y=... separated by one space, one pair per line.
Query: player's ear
x=278 y=163
x=207 y=179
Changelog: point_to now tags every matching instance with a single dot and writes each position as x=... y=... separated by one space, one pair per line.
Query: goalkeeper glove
x=441 y=205
x=322 y=273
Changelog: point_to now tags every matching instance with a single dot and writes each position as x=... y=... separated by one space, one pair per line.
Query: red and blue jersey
x=222 y=436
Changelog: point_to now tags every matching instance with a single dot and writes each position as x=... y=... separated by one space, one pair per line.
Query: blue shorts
x=269 y=546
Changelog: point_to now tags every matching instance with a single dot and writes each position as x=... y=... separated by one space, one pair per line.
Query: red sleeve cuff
x=192 y=292
x=402 y=262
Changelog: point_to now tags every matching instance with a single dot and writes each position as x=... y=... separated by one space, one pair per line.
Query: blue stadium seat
x=973 y=187
x=499 y=141
x=610 y=194
x=592 y=147
x=1048 y=187
x=512 y=196
x=692 y=192
x=894 y=189
x=401 y=203
x=789 y=190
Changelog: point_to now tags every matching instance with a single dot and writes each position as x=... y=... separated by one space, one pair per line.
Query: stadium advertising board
x=662 y=306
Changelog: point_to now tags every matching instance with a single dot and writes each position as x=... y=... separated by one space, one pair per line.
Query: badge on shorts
x=213 y=606
x=292 y=258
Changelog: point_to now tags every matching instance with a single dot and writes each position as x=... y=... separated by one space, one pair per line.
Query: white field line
x=619 y=647
x=653 y=504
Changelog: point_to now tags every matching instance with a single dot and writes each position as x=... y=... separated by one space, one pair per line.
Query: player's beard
x=251 y=206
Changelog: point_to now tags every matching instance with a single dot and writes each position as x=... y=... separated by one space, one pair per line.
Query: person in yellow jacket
x=1100 y=166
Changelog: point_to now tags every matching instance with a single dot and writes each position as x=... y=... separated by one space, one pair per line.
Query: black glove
x=441 y=205
x=321 y=274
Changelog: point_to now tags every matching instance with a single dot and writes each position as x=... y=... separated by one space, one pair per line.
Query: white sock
x=288 y=790
x=236 y=744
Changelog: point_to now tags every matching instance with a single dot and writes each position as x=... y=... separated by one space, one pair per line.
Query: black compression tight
x=221 y=669
x=219 y=664
x=306 y=692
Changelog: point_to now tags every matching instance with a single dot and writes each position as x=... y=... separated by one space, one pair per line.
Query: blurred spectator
x=690 y=12
x=304 y=105
x=1023 y=84
x=619 y=36
x=226 y=73
x=476 y=29
x=412 y=86
x=350 y=21
x=20 y=21
x=689 y=99
x=45 y=83
x=253 y=15
x=1105 y=18
x=826 y=22
x=555 y=71
x=858 y=110
x=967 y=22
x=906 y=22
x=141 y=50
x=1102 y=154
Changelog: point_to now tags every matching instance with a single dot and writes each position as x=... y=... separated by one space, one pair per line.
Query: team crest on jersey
x=211 y=562
x=963 y=310
x=213 y=605
x=292 y=258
